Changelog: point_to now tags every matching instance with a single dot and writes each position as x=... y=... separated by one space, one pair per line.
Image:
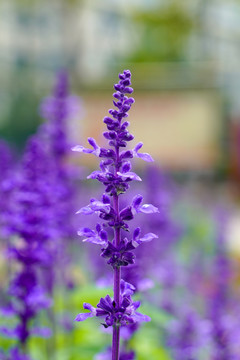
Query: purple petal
x=94 y=174
x=84 y=316
x=138 y=147
x=86 y=232
x=103 y=236
x=93 y=143
x=97 y=205
x=126 y=213
x=130 y=175
x=141 y=317
x=88 y=306
x=143 y=156
x=137 y=200
x=81 y=148
x=106 y=199
x=126 y=167
x=96 y=240
x=95 y=146
x=93 y=237
x=147 y=209
x=136 y=233
x=126 y=288
x=146 y=238
x=86 y=210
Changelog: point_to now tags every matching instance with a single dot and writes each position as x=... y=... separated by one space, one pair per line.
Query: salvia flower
x=116 y=175
x=123 y=314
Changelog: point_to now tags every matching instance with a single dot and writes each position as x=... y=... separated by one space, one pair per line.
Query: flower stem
x=115 y=342
x=116 y=287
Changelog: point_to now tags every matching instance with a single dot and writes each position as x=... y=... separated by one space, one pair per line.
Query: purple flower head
x=117 y=136
x=120 y=255
x=124 y=314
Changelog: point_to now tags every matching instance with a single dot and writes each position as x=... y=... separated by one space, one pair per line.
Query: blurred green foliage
x=164 y=33
x=22 y=118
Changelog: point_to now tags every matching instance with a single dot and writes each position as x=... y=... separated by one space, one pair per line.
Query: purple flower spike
x=116 y=176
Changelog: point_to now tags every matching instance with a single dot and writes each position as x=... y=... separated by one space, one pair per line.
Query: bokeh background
x=184 y=58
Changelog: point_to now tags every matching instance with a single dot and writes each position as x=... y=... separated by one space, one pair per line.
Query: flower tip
x=147 y=318
x=78 y=317
x=76 y=148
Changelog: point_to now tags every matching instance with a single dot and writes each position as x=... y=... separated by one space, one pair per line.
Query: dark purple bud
x=124 y=125
x=125 y=108
x=121 y=76
x=107 y=120
x=137 y=201
x=122 y=143
x=106 y=199
x=93 y=143
x=127 y=136
x=117 y=87
x=108 y=153
x=110 y=135
x=126 y=213
x=98 y=227
x=114 y=113
x=128 y=90
x=126 y=82
x=118 y=104
x=126 y=155
x=103 y=235
x=127 y=73
x=136 y=233
x=129 y=101
x=106 y=135
x=126 y=167
x=117 y=95
x=105 y=163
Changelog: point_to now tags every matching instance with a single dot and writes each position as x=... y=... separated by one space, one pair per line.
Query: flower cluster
x=123 y=314
x=116 y=175
x=30 y=226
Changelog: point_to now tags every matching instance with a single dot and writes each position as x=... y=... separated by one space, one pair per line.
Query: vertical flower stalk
x=115 y=174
